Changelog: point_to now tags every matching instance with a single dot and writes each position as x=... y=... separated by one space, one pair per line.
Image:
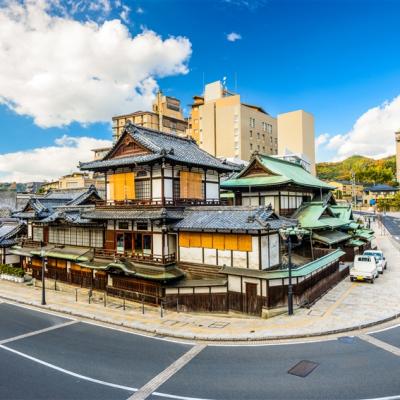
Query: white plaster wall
x=168 y=189
x=156 y=183
x=210 y=256
x=12 y=259
x=168 y=172
x=219 y=289
x=224 y=257
x=171 y=291
x=110 y=225
x=239 y=259
x=157 y=244
x=253 y=256
x=191 y=254
x=212 y=191
x=264 y=252
x=212 y=176
x=30 y=229
x=274 y=249
x=172 y=240
x=186 y=290
x=202 y=290
x=233 y=283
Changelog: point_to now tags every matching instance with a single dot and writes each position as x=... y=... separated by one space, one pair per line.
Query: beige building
x=296 y=135
x=345 y=190
x=226 y=127
x=397 y=135
x=76 y=180
x=166 y=116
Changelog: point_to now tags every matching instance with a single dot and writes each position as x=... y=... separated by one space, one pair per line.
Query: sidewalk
x=348 y=306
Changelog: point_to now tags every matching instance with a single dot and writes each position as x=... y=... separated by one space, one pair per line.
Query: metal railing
x=158 y=203
x=112 y=254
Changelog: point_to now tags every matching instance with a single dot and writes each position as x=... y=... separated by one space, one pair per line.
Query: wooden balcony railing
x=158 y=203
x=154 y=258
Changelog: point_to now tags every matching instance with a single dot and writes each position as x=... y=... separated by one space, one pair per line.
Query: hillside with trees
x=367 y=170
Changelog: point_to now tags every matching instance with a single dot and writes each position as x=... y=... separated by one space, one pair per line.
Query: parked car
x=364 y=269
x=381 y=262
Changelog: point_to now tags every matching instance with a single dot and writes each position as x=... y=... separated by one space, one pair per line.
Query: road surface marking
x=379 y=343
x=65 y=371
x=145 y=391
x=172 y=396
x=26 y=335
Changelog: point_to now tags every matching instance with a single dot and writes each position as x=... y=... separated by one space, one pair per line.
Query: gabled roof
x=44 y=206
x=343 y=211
x=228 y=218
x=159 y=145
x=9 y=230
x=317 y=215
x=273 y=171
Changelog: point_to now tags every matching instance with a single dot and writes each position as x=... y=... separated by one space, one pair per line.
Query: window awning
x=330 y=237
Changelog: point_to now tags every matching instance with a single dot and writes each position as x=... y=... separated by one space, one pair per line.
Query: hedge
x=7 y=270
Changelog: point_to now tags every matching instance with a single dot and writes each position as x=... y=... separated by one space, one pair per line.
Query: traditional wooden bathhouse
x=270 y=180
x=162 y=233
x=11 y=230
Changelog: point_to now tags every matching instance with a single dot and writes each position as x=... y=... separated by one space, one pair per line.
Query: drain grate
x=303 y=368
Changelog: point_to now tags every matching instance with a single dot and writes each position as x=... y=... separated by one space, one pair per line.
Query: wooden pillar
x=205 y=184
x=151 y=183
x=259 y=252
x=162 y=183
x=105 y=186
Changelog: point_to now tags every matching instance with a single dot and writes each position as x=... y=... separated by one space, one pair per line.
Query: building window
x=252 y=122
x=251 y=133
x=37 y=234
x=176 y=189
x=263 y=148
x=263 y=136
x=258 y=147
x=142 y=189
x=123 y=225
x=258 y=135
x=142 y=226
x=269 y=128
x=251 y=146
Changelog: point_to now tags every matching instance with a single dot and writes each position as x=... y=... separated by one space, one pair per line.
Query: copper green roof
x=65 y=253
x=344 y=212
x=317 y=215
x=277 y=172
x=365 y=234
x=302 y=271
x=355 y=243
x=330 y=237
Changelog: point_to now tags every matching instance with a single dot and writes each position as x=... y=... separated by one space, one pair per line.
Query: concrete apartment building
x=226 y=127
x=166 y=117
x=76 y=180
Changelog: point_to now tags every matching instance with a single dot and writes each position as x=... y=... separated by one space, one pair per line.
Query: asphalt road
x=392 y=224
x=75 y=360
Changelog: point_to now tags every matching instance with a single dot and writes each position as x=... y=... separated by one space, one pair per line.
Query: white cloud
x=233 y=36
x=59 y=70
x=48 y=163
x=321 y=139
x=124 y=14
x=139 y=10
x=372 y=134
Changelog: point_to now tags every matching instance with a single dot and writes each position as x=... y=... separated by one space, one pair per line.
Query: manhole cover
x=218 y=325
x=303 y=368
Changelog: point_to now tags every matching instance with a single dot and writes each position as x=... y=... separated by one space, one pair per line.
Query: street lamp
x=286 y=234
x=43 y=255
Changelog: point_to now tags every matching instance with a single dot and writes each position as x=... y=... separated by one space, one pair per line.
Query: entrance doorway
x=251 y=299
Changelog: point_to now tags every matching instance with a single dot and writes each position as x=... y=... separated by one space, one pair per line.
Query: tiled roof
x=381 y=188
x=280 y=172
x=161 y=145
x=133 y=214
x=10 y=229
x=71 y=216
x=230 y=218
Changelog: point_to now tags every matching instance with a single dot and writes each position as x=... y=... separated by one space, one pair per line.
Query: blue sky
x=335 y=59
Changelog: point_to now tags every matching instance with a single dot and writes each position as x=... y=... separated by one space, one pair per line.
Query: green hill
x=366 y=169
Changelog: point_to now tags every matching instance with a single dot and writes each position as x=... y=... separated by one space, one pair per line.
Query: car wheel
x=372 y=280
x=351 y=279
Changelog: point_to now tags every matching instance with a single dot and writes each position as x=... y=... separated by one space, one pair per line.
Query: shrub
x=8 y=270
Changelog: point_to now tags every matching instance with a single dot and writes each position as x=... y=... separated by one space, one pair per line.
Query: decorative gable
x=127 y=146
x=256 y=168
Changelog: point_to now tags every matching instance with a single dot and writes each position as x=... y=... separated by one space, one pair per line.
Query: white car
x=364 y=269
x=381 y=262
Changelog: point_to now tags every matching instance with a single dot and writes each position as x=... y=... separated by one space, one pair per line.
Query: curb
x=169 y=334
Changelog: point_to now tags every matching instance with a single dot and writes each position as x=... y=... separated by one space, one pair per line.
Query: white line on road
x=65 y=371
x=379 y=343
x=93 y=380
x=38 y=332
x=145 y=391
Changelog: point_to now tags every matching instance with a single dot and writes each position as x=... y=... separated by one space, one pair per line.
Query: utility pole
x=353 y=189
